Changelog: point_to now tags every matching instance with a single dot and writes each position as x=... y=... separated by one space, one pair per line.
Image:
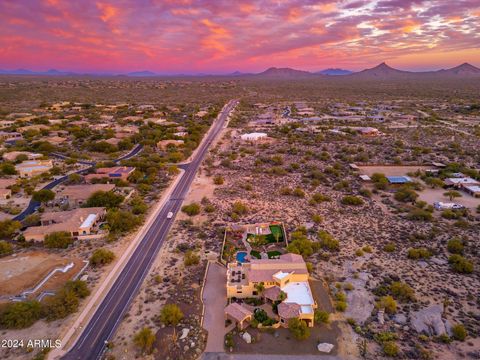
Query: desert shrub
x=402 y=291
x=419 y=253
x=20 y=315
x=327 y=241
x=218 y=180
x=298 y=192
x=390 y=247
x=120 y=221
x=102 y=257
x=321 y=316
x=390 y=349
x=458 y=332
x=406 y=194
x=191 y=209
x=190 y=258
x=388 y=303
x=455 y=246
x=352 y=200
x=144 y=340
x=419 y=215
x=8 y=228
x=58 y=240
x=460 y=265
x=106 y=199
x=5 y=248
x=171 y=315
x=43 y=195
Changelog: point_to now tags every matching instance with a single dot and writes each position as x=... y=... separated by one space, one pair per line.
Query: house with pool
x=244 y=242
x=281 y=281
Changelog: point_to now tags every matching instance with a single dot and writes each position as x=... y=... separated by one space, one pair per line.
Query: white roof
x=299 y=293
x=254 y=135
x=280 y=275
x=88 y=221
x=365 y=177
x=463 y=180
x=473 y=188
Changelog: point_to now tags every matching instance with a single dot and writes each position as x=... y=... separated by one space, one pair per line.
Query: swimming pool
x=241 y=255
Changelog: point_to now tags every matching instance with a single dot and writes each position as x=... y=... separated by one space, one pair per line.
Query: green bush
x=106 y=199
x=390 y=247
x=419 y=253
x=460 y=265
x=352 y=200
x=144 y=340
x=5 y=248
x=419 y=215
x=327 y=241
x=390 y=349
x=20 y=315
x=43 y=195
x=58 y=240
x=101 y=257
x=455 y=246
x=402 y=291
x=120 y=221
x=322 y=316
x=190 y=258
x=458 y=332
x=388 y=303
x=405 y=194
x=191 y=209
x=8 y=228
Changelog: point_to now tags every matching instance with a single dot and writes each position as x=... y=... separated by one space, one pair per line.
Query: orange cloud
x=108 y=11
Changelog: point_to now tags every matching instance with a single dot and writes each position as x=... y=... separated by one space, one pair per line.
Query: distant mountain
x=381 y=71
x=141 y=73
x=283 y=73
x=30 y=72
x=334 y=71
x=465 y=69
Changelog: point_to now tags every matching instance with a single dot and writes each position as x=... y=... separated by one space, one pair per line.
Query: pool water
x=241 y=255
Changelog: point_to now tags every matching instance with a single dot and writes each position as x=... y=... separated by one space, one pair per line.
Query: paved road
x=104 y=322
x=33 y=205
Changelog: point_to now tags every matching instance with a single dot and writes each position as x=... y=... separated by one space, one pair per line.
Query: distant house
x=369 y=131
x=79 y=194
x=6 y=123
x=398 y=180
x=33 y=167
x=461 y=181
x=12 y=155
x=118 y=172
x=473 y=190
x=255 y=136
x=38 y=127
x=81 y=223
x=5 y=192
x=287 y=275
x=5 y=135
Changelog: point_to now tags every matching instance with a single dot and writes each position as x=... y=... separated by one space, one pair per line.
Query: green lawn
x=256 y=254
x=273 y=253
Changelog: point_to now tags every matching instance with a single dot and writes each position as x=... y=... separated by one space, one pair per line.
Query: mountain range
x=381 y=71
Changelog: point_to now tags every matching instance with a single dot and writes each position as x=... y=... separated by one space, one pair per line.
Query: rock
x=325 y=347
x=422 y=264
x=438 y=261
x=429 y=320
x=184 y=333
x=380 y=316
x=448 y=327
x=247 y=337
x=400 y=319
x=185 y=348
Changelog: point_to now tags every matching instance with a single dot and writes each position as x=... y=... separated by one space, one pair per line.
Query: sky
x=202 y=36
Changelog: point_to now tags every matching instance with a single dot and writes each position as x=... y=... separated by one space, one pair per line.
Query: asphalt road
x=33 y=205
x=110 y=312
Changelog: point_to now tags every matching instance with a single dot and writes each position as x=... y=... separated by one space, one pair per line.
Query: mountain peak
x=284 y=72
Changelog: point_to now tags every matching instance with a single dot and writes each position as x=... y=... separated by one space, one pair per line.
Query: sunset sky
x=172 y=36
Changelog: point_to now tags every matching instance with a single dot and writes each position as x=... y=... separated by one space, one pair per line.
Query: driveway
x=215 y=300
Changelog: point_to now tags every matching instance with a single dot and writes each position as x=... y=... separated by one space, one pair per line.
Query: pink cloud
x=222 y=35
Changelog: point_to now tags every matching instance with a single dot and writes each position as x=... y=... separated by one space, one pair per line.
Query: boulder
x=400 y=319
x=184 y=333
x=247 y=337
x=325 y=347
x=429 y=320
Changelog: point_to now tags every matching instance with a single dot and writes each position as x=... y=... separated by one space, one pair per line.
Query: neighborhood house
x=33 y=167
x=119 y=172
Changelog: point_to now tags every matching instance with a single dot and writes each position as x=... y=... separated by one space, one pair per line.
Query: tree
x=120 y=221
x=191 y=209
x=299 y=329
x=106 y=199
x=31 y=220
x=62 y=304
x=74 y=178
x=8 y=169
x=451 y=194
x=8 y=228
x=44 y=195
x=171 y=315
x=145 y=339
x=20 y=315
x=405 y=194
x=59 y=240
x=102 y=257
x=5 y=248
x=260 y=288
